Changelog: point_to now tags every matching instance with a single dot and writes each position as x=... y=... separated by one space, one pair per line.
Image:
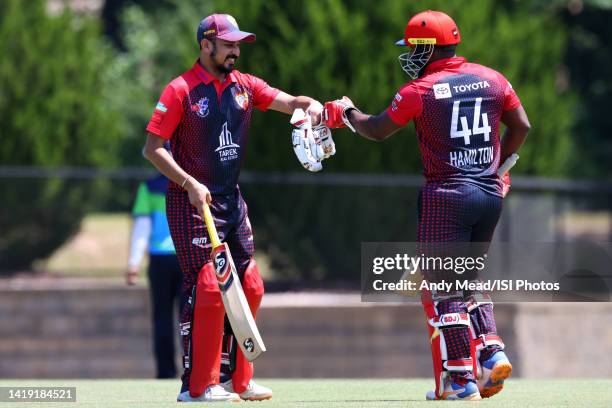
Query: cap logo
x=209 y=32
x=232 y=21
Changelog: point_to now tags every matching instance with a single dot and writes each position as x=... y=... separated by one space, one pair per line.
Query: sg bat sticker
x=223 y=268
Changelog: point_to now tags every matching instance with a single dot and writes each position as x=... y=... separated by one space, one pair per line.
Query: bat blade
x=236 y=306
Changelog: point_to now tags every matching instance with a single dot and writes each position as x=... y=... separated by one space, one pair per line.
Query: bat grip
x=210 y=226
x=508 y=164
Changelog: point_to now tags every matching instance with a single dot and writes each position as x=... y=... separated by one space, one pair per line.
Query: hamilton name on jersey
x=468 y=158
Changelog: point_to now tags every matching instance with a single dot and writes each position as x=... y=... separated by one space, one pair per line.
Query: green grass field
x=332 y=393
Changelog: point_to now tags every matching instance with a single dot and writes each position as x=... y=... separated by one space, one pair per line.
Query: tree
x=52 y=113
x=328 y=48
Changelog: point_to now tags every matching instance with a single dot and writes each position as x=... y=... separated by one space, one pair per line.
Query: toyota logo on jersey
x=442 y=91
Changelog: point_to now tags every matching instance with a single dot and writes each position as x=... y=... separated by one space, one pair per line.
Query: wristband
x=185 y=181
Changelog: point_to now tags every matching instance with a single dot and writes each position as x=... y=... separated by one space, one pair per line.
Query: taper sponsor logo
x=228 y=150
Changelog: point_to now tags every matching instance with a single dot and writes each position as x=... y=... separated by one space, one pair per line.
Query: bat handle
x=508 y=164
x=210 y=226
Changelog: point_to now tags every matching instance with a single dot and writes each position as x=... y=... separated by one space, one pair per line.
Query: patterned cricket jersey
x=456 y=107
x=208 y=122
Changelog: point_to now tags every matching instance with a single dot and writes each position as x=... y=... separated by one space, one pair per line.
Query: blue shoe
x=454 y=391
x=495 y=370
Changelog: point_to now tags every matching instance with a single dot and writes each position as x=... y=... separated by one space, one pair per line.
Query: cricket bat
x=236 y=306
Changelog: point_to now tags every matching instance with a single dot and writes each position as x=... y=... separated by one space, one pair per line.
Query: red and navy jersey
x=207 y=123
x=456 y=107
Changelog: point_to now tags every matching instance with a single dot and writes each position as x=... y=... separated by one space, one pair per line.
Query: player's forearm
x=367 y=126
x=155 y=152
x=310 y=105
x=288 y=103
x=511 y=142
x=517 y=127
x=301 y=102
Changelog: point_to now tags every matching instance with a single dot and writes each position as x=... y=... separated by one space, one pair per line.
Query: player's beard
x=226 y=68
x=223 y=67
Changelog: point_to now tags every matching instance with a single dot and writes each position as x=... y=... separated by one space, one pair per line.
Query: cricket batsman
x=457 y=107
x=206 y=114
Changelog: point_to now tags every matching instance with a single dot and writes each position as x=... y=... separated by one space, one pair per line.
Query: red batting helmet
x=423 y=32
x=430 y=25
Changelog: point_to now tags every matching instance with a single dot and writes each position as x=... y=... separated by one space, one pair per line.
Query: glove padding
x=311 y=146
x=324 y=133
x=335 y=113
x=505 y=184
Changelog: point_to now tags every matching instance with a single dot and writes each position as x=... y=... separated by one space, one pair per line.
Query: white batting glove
x=325 y=134
x=301 y=140
x=308 y=150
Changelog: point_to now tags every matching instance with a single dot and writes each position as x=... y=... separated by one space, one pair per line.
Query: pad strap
x=485 y=340
x=464 y=364
x=477 y=300
x=479 y=343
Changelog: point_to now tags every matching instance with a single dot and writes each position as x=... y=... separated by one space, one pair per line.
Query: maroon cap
x=222 y=26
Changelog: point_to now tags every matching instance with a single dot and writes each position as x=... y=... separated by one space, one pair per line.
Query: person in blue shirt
x=150 y=232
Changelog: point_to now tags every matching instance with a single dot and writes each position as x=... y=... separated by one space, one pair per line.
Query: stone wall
x=104 y=332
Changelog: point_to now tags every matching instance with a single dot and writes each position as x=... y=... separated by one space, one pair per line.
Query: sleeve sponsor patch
x=161 y=107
